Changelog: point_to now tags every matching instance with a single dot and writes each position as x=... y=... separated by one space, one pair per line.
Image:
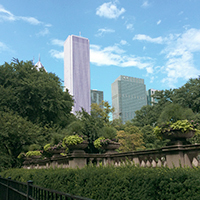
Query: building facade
x=151 y=100
x=96 y=96
x=77 y=71
x=128 y=96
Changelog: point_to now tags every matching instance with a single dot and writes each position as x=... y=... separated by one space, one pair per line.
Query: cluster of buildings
x=128 y=93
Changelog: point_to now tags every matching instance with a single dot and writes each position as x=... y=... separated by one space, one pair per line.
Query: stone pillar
x=77 y=159
x=177 y=156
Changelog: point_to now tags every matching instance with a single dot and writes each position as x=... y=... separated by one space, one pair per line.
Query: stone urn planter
x=178 y=137
x=78 y=147
x=176 y=132
x=56 y=152
x=111 y=147
x=106 y=144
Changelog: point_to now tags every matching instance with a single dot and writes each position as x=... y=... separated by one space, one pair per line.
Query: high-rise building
x=128 y=95
x=96 y=96
x=39 y=65
x=77 y=71
x=151 y=100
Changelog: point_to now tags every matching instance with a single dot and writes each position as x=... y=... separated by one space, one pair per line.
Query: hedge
x=124 y=182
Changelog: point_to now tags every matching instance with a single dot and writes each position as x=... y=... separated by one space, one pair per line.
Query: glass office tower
x=128 y=95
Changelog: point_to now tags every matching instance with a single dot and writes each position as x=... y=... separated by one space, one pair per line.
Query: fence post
x=7 y=191
x=29 y=190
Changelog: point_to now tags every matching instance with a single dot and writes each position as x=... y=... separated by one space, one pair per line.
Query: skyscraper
x=77 y=71
x=151 y=100
x=128 y=95
x=96 y=96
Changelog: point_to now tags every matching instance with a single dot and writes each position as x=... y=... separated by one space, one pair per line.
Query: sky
x=156 y=40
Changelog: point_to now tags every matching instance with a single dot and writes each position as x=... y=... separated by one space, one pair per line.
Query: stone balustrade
x=171 y=156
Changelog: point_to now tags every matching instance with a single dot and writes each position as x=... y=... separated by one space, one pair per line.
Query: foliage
x=150 y=139
x=47 y=147
x=124 y=182
x=36 y=95
x=173 y=112
x=102 y=111
x=33 y=153
x=181 y=125
x=72 y=140
x=16 y=133
x=108 y=132
x=130 y=139
x=97 y=142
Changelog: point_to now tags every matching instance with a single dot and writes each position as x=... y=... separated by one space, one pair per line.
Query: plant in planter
x=55 y=150
x=180 y=130
x=21 y=155
x=33 y=154
x=106 y=144
x=75 y=142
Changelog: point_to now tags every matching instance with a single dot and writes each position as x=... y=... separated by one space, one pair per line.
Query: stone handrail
x=171 y=156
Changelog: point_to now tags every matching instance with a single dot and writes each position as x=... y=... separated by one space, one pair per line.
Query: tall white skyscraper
x=77 y=71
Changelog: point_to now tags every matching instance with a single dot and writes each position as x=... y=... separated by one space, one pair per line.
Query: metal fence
x=14 y=190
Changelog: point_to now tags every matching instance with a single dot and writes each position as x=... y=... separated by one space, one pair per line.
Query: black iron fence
x=14 y=190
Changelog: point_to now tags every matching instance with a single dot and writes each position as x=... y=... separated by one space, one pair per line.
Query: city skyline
x=158 y=41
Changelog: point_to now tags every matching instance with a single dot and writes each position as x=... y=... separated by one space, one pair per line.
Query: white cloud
x=179 y=53
x=30 y=20
x=145 y=4
x=129 y=26
x=3 y=47
x=43 y=32
x=102 y=31
x=158 y=22
x=6 y=15
x=57 y=42
x=57 y=54
x=147 y=38
x=113 y=55
x=123 y=42
x=109 y=10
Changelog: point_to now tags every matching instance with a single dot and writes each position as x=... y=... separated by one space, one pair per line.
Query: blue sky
x=157 y=40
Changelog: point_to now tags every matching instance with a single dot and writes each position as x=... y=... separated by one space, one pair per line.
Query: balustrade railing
x=175 y=155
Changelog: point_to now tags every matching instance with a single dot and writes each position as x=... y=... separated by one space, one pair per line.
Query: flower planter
x=80 y=146
x=178 y=137
x=56 y=152
x=111 y=147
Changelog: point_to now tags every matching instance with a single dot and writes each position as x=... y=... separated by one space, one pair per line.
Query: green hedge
x=125 y=182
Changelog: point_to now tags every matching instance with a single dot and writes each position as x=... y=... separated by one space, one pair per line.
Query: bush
x=124 y=182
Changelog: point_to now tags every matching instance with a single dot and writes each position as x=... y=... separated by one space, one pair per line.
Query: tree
x=102 y=111
x=15 y=134
x=173 y=112
x=150 y=139
x=34 y=94
x=146 y=115
x=130 y=138
x=189 y=95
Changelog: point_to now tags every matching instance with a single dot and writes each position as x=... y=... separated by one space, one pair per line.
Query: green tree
x=150 y=139
x=189 y=95
x=34 y=94
x=146 y=115
x=130 y=138
x=16 y=133
x=102 y=111
x=174 y=112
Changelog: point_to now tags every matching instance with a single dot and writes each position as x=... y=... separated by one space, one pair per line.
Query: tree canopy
x=34 y=93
